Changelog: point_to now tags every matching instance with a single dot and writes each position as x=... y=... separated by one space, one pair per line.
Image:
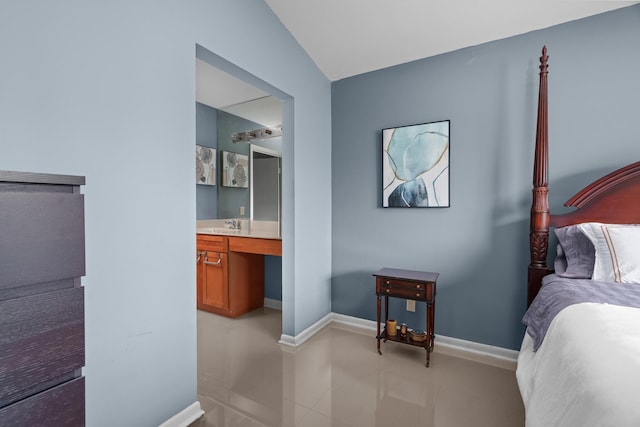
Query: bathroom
x=238 y=187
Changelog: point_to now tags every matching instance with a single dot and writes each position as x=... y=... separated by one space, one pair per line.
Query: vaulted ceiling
x=350 y=37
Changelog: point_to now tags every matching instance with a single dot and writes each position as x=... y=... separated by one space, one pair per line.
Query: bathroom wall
x=207 y=136
x=230 y=199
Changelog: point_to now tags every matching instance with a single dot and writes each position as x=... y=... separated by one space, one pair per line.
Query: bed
x=579 y=363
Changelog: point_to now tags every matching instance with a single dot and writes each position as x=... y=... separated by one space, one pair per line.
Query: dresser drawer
x=42 y=342
x=59 y=406
x=419 y=291
x=42 y=238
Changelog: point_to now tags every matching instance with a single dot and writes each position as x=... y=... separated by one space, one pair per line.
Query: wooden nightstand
x=412 y=285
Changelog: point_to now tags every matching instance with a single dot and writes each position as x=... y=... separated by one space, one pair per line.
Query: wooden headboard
x=614 y=198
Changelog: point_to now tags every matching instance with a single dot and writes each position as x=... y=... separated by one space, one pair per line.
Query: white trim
x=287 y=341
x=488 y=354
x=484 y=353
x=273 y=153
x=265 y=150
x=303 y=336
x=356 y=322
x=273 y=303
x=185 y=417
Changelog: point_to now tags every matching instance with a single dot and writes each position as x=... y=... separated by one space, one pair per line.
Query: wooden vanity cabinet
x=215 y=292
x=229 y=283
x=212 y=273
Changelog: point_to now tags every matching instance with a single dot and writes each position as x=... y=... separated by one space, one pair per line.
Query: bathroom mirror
x=226 y=109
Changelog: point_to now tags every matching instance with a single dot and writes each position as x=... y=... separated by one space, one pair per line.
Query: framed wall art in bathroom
x=415 y=166
x=205 y=165
x=235 y=170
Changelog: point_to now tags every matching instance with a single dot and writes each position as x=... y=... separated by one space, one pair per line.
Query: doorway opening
x=241 y=94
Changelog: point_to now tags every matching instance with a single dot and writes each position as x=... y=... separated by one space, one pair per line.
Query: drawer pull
x=206 y=260
x=417 y=295
x=388 y=290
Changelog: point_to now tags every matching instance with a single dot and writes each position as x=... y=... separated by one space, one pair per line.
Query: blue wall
x=480 y=244
x=107 y=90
x=273 y=277
x=207 y=136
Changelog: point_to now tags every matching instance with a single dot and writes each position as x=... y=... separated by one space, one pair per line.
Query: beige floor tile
x=337 y=378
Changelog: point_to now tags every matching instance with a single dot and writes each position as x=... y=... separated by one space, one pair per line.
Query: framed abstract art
x=415 y=166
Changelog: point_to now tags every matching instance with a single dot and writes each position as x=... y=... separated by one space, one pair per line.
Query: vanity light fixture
x=262 y=133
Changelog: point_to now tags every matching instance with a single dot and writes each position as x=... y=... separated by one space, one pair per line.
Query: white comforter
x=587 y=370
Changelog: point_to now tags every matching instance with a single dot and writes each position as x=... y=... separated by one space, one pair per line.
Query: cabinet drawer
x=419 y=291
x=205 y=242
x=42 y=342
x=252 y=245
x=59 y=406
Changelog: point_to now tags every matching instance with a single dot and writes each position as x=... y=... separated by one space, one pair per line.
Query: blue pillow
x=560 y=262
x=578 y=251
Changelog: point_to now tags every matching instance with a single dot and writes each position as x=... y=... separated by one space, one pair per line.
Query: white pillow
x=617 y=251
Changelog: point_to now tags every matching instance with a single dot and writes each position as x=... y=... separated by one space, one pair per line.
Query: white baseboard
x=291 y=341
x=273 y=303
x=484 y=353
x=488 y=354
x=185 y=417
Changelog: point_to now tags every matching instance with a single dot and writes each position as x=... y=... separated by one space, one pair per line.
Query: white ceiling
x=350 y=37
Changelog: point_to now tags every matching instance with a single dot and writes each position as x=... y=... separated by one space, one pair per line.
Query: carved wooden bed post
x=539 y=231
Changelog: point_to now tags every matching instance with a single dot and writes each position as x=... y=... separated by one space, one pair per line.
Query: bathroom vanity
x=230 y=265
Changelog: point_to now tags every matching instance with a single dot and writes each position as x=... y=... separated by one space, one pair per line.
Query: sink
x=225 y=230
x=219 y=230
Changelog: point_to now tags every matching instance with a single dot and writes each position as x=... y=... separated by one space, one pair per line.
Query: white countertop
x=254 y=229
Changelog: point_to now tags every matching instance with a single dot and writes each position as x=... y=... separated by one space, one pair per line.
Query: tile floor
x=337 y=378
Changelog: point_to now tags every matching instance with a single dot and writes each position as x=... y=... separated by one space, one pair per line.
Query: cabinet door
x=215 y=285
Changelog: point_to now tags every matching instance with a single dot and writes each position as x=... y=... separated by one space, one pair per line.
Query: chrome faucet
x=234 y=224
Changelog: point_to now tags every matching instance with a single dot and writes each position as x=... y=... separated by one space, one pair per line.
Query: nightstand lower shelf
x=426 y=344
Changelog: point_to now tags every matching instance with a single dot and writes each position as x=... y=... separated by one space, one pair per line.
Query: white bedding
x=587 y=370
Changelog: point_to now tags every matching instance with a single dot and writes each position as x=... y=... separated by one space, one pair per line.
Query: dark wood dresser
x=41 y=300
